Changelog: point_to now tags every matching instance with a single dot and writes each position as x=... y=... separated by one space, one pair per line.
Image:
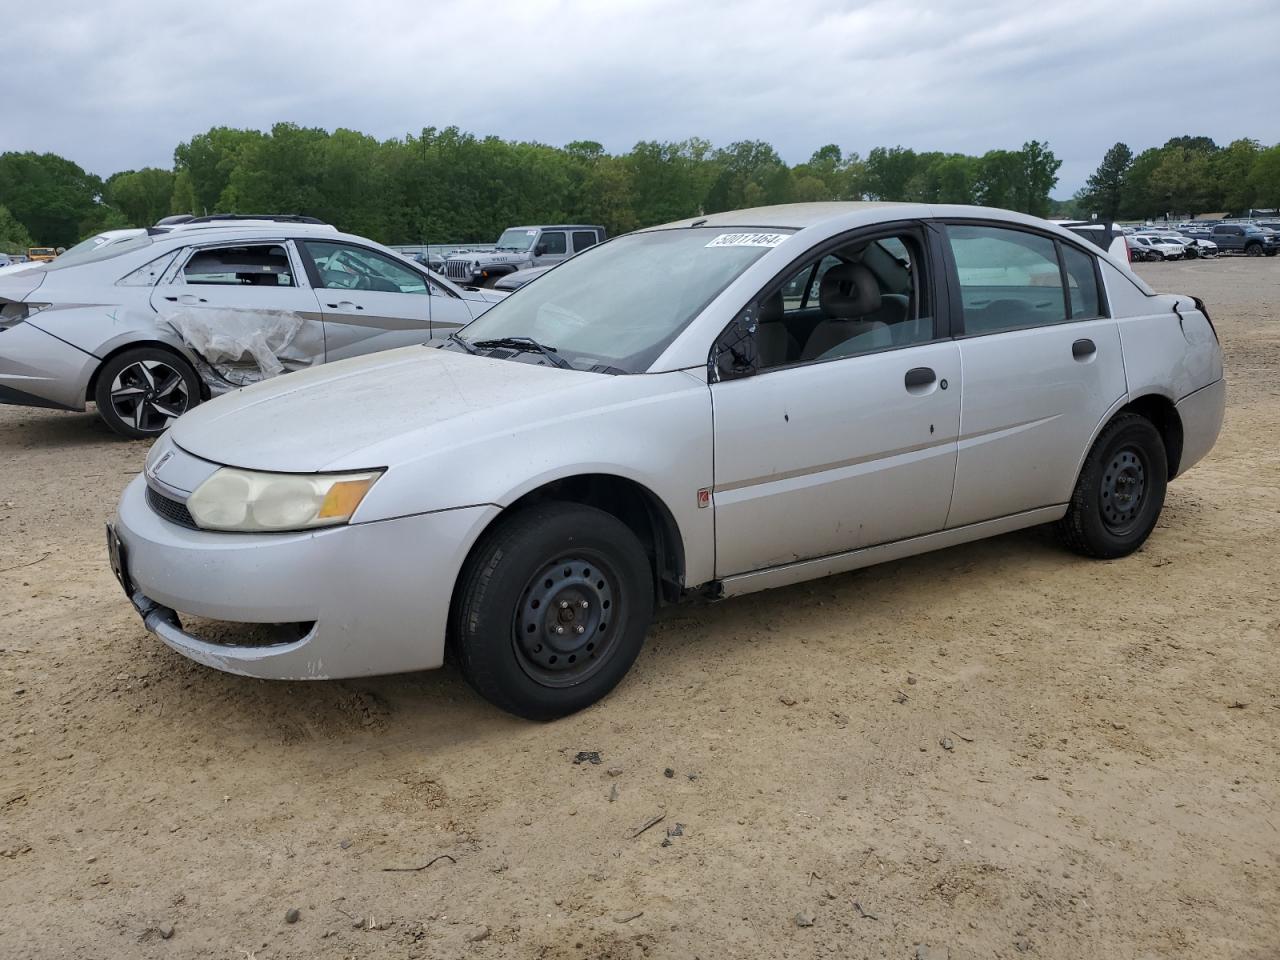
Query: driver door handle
x=344 y=305
x=186 y=298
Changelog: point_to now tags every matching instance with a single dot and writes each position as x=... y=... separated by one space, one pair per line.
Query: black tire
x=140 y=392
x=1120 y=490
x=521 y=634
x=1253 y=250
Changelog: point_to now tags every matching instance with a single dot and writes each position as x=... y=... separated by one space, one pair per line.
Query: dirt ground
x=998 y=750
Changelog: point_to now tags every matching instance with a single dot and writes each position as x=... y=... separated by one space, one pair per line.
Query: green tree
x=889 y=171
x=208 y=159
x=143 y=196
x=48 y=194
x=1264 y=177
x=1181 y=181
x=13 y=235
x=1104 y=191
x=1230 y=168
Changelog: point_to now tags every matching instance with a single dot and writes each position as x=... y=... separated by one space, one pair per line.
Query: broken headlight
x=252 y=502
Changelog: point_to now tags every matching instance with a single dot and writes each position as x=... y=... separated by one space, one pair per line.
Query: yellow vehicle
x=41 y=254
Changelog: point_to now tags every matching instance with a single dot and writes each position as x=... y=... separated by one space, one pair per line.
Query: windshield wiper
x=526 y=344
x=465 y=344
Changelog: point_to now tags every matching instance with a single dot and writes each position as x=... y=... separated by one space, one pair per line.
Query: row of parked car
x=706 y=408
x=1193 y=240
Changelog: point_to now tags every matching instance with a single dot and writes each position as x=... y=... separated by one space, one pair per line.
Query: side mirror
x=540 y=250
x=735 y=354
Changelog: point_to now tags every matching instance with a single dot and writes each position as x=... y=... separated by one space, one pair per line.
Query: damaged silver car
x=147 y=323
x=721 y=405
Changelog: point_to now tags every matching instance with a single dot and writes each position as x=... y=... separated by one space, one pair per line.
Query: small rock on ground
x=292 y=915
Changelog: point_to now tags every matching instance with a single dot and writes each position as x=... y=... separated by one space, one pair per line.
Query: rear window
x=103 y=246
x=583 y=239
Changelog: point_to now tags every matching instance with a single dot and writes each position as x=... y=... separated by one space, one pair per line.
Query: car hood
x=493 y=256
x=342 y=415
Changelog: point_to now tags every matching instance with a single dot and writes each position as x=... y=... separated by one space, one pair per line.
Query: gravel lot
x=1109 y=790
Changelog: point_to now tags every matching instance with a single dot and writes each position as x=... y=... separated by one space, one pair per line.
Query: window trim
x=958 y=331
x=939 y=298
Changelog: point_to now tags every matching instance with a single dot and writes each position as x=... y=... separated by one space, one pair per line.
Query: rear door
x=369 y=300
x=261 y=276
x=1042 y=367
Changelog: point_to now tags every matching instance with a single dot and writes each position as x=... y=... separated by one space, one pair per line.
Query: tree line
x=447 y=185
x=1188 y=175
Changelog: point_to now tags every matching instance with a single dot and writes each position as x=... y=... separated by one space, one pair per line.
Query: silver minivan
x=708 y=408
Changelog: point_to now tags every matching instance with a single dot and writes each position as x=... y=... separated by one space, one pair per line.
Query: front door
x=842 y=431
x=370 y=301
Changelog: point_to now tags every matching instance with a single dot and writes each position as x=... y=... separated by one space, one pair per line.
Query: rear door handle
x=1083 y=349
x=344 y=305
x=919 y=377
x=186 y=298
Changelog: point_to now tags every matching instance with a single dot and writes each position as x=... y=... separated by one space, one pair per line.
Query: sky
x=116 y=85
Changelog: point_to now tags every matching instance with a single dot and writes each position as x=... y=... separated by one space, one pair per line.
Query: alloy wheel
x=148 y=394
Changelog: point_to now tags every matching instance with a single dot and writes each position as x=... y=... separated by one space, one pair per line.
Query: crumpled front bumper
x=376 y=595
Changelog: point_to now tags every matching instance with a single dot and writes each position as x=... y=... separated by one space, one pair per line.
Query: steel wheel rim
x=148 y=394
x=565 y=627
x=1124 y=490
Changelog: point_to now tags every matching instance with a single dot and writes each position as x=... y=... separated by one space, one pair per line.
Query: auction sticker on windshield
x=748 y=240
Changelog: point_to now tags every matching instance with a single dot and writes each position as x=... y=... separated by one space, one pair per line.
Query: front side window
x=1009 y=279
x=868 y=295
x=552 y=242
x=341 y=266
x=263 y=265
x=583 y=239
x=620 y=304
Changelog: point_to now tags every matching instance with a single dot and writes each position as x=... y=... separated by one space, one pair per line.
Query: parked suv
x=520 y=248
x=1246 y=238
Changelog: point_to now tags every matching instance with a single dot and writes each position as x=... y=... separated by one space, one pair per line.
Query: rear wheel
x=1120 y=491
x=140 y=392
x=552 y=609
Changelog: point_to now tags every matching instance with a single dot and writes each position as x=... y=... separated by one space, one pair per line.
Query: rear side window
x=583 y=239
x=1009 y=279
x=265 y=265
x=553 y=242
x=1082 y=284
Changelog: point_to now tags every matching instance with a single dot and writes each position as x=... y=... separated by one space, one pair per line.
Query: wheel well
x=140 y=345
x=636 y=506
x=1164 y=416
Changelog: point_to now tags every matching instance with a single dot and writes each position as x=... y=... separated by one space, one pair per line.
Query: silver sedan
x=708 y=408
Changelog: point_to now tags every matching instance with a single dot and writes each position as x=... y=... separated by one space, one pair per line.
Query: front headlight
x=248 y=501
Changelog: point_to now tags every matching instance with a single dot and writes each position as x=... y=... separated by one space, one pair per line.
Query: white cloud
x=118 y=85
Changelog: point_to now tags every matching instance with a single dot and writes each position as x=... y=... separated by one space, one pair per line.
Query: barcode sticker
x=748 y=240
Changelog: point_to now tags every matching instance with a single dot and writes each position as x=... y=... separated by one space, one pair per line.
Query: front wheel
x=140 y=392
x=1120 y=490
x=552 y=609
x=1253 y=250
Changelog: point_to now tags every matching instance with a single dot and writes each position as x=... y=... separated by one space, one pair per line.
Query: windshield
x=101 y=247
x=519 y=239
x=620 y=304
